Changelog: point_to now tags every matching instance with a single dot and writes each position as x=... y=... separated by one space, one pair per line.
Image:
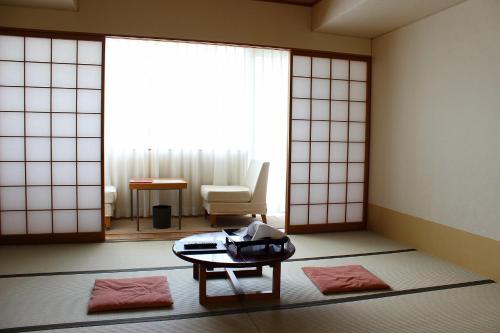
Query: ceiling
x=372 y=18
x=359 y=18
x=47 y=4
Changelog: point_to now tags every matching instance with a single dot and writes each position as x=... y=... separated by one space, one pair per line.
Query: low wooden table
x=140 y=184
x=223 y=265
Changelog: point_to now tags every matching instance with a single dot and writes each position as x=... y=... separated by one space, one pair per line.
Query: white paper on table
x=259 y=230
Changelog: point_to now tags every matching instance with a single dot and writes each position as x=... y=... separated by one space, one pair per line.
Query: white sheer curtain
x=196 y=111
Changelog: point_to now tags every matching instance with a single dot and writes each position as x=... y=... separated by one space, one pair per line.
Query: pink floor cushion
x=130 y=293
x=343 y=278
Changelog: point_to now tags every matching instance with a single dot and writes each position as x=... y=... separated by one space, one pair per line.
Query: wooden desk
x=148 y=184
x=223 y=265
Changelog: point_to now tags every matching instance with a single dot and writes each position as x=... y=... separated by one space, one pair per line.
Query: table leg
x=137 y=203
x=276 y=280
x=131 y=204
x=196 y=271
x=202 y=279
x=180 y=208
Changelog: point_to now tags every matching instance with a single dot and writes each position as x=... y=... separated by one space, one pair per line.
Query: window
x=196 y=111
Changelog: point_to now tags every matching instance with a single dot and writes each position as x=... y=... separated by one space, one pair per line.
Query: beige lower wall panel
x=231 y=21
x=476 y=253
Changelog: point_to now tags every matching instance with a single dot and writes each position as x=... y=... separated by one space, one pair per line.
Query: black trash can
x=161 y=216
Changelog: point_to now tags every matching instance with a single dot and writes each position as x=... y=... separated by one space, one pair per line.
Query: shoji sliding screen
x=51 y=161
x=328 y=147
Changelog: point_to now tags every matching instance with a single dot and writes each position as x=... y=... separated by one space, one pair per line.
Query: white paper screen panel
x=37 y=75
x=38 y=49
x=40 y=222
x=320 y=131
x=63 y=173
x=13 y=198
x=89 y=52
x=11 y=73
x=319 y=152
x=12 y=174
x=301 y=87
x=11 y=99
x=63 y=124
x=319 y=173
x=64 y=76
x=37 y=124
x=37 y=99
x=12 y=48
x=321 y=67
x=320 y=88
x=64 y=51
x=328 y=136
x=39 y=197
x=13 y=222
x=300 y=109
x=336 y=213
x=38 y=173
x=299 y=173
x=50 y=135
x=11 y=123
x=301 y=66
x=320 y=110
x=64 y=100
x=340 y=111
x=317 y=214
x=64 y=221
x=89 y=76
x=300 y=130
x=37 y=149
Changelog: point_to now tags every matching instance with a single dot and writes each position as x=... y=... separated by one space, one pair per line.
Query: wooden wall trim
x=102 y=36
x=51 y=34
x=330 y=227
x=81 y=237
x=475 y=253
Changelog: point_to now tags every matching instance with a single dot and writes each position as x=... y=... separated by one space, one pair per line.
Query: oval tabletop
x=224 y=259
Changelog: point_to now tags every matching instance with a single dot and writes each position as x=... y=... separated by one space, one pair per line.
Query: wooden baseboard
x=318 y=228
x=82 y=237
x=475 y=253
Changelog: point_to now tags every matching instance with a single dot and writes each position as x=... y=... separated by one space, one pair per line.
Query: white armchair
x=248 y=198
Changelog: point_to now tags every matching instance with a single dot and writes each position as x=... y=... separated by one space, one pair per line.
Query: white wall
x=435 y=142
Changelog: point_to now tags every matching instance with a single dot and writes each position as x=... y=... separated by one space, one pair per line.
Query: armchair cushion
x=110 y=194
x=218 y=193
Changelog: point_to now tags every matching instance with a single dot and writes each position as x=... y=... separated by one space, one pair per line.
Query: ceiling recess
x=372 y=18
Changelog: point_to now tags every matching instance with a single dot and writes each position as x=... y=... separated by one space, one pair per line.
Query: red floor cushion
x=130 y=293
x=343 y=278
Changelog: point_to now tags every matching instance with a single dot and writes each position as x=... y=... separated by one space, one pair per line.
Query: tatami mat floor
x=126 y=255
x=44 y=299
x=465 y=310
x=428 y=294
